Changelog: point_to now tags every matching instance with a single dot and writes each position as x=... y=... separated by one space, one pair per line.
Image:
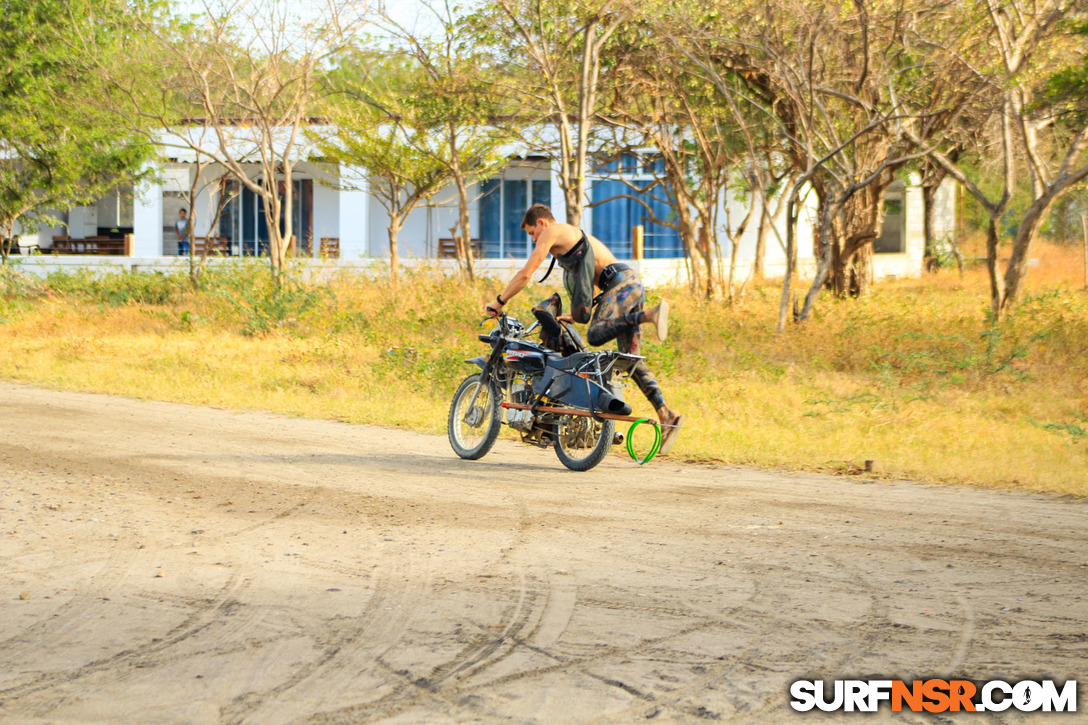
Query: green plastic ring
x=631 y=440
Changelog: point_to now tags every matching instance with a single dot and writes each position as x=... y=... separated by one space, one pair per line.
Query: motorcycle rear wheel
x=583 y=442
x=472 y=425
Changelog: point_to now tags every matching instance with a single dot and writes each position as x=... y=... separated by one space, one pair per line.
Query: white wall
x=326 y=220
x=354 y=215
x=944 y=220
x=416 y=237
x=344 y=208
x=147 y=220
x=425 y=225
x=775 y=256
x=774 y=261
x=377 y=221
x=83 y=221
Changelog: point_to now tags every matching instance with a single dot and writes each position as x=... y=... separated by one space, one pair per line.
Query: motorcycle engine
x=521 y=420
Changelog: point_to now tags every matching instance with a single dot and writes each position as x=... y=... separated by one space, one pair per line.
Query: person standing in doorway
x=181 y=226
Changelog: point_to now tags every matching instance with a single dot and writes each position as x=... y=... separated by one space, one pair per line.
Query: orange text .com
x=934 y=695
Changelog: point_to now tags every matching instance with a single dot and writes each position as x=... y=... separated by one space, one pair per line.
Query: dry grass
x=911 y=377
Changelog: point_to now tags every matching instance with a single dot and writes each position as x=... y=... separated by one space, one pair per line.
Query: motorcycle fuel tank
x=524 y=358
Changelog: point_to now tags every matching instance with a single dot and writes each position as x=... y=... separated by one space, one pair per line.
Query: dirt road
x=167 y=563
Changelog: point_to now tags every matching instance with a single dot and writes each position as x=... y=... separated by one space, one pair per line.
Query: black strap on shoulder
x=550 y=268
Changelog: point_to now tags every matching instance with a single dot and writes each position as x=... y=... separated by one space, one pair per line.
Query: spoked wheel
x=583 y=442
x=474 y=418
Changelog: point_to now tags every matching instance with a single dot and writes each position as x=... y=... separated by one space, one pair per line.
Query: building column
x=147 y=219
x=914 y=242
x=354 y=212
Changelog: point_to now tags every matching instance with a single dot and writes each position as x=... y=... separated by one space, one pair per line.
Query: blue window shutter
x=611 y=219
x=230 y=211
x=262 y=229
x=542 y=192
x=517 y=241
x=662 y=242
x=490 y=221
x=249 y=221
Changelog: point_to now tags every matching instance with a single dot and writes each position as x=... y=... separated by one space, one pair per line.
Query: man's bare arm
x=525 y=274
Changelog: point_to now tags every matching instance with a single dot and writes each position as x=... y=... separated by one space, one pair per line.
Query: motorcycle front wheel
x=475 y=418
x=583 y=442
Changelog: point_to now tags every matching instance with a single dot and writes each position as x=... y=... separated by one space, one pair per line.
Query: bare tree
x=933 y=176
x=1016 y=46
x=693 y=171
x=450 y=92
x=219 y=196
x=239 y=82
x=400 y=158
x=840 y=143
x=555 y=48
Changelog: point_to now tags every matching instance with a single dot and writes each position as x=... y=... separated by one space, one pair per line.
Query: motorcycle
x=570 y=402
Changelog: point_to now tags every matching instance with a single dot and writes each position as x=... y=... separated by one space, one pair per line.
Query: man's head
x=181 y=213
x=536 y=220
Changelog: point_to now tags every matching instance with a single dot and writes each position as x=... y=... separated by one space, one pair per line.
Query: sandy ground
x=169 y=563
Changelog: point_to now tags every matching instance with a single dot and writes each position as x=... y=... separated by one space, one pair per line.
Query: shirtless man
x=588 y=265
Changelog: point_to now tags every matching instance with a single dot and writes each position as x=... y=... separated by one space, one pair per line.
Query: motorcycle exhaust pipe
x=609 y=403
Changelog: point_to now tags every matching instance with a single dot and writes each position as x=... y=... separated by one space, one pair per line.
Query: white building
x=336 y=217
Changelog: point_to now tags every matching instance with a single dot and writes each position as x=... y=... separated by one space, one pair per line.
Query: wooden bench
x=90 y=245
x=106 y=245
x=215 y=246
x=447 y=248
x=330 y=248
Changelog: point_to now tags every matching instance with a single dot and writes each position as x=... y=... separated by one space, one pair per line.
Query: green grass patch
x=912 y=376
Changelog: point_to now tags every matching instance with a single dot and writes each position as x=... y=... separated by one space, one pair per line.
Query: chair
x=20 y=247
x=330 y=248
x=215 y=246
x=447 y=248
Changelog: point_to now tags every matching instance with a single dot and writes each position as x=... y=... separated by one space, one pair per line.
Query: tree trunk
x=1032 y=220
x=194 y=276
x=287 y=216
x=767 y=222
x=935 y=248
x=791 y=263
x=707 y=253
x=837 y=277
x=929 y=213
x=861 y=268
x=857 y=225
x=1021 y=249
x=686 y=228
x=851 y=273
x=277 y=247
x=758 y=270
x=688 y=239
x=734 y=248
x=393 y=230
x=464 y=239
x=567 y=174
x=1084 y=231
x=997 y=283
x=6 y=230
x=827 y=250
